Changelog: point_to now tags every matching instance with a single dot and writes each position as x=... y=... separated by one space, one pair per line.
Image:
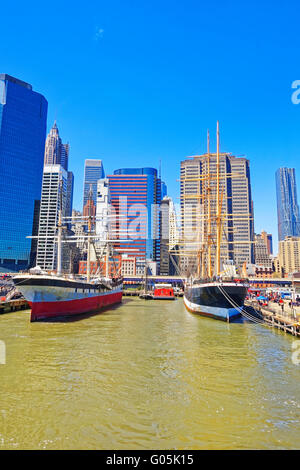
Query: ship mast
x=208 y=210
x=88 y=267
x=59 y=238
x=145 y=285
x=59 y=233
x=218 y=202
x=107 y=260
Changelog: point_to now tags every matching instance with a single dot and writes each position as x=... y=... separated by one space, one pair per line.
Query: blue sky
x=133 y=82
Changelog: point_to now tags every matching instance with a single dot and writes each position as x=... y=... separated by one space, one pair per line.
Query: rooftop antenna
x=55 y=118
x=159 y=173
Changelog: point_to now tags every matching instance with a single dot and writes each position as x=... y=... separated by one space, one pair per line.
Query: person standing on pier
x=282 y=305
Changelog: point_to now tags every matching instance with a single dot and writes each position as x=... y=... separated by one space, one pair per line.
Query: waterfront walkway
x=286 y=319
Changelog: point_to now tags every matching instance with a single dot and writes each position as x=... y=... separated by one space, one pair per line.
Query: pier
x=13 y=305
x=273 y=316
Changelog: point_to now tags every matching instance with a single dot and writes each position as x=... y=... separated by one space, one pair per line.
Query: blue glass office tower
x=23 y=119
x=93 y=171
x=287 y=206
x=164 y=190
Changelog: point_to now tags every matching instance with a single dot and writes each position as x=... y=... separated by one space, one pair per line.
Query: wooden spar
x=209 y=211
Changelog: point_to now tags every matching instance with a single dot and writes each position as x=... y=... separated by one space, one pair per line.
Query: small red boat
x=163 y=292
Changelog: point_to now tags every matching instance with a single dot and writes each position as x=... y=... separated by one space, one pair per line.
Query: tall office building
x=173 y=224
x=287 y=205
x=262 y=256
x=64 y=155
x=242 y=211
x=93 y=171
x=169 y=237
x=236 y=208
x=54 y=197
x=23 y=119
x=268 y=239
x=56 y=153
x=69 y=199
x=289 y=255
x=164 y=189
x=35 y=232
x=135 y=195
x=103 y=209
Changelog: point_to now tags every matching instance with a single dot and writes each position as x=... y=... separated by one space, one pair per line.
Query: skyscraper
x=164 y=189
x=56 y=153
x=289 y=255
x=103 y=209
x=236 y=207
x=242 y=211
x=54 y=197
x=93 y=171
x=23 y=119
x=262 y=256
x=69 y=200
x=287 y=205
x=135 y=194
x=268 y=239
x=169 y=237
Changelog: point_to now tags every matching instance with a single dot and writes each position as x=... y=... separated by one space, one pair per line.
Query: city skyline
x=57 y=152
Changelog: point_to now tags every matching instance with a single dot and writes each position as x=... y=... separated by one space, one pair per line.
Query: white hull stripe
x=217 y=312
x=59 y=294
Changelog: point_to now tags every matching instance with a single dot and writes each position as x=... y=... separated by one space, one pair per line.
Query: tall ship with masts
x=214 y=289
x=57 y=295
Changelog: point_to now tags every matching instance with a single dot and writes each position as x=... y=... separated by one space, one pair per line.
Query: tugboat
x=220 y=295
x=163 y=292
x=52 y=296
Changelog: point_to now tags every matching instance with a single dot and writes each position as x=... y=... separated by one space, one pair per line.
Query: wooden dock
x=13 y=305
x=284 y=322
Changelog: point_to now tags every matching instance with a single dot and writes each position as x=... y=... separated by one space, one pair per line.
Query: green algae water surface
x=147 y=375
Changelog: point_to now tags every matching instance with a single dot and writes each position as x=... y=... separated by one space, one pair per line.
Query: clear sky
x=133 y=82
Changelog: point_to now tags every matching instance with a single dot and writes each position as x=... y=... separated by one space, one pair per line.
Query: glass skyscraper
x=164 y=190
x=93 y=171
x=135 y=192
x=23 y=119
x=287 y=205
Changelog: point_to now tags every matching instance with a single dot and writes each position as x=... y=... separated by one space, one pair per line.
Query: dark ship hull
x=219 y=300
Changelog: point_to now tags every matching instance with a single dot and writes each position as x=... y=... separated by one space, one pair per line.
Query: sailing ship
x=51 y=296
x=217 y=293
x=146 y=295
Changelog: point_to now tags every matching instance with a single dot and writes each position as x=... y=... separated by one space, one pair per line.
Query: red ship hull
x=46 y=310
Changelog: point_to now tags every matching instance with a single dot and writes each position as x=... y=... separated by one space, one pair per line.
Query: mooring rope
x=241 y=310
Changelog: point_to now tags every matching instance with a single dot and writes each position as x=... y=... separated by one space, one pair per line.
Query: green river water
x=147 y=375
